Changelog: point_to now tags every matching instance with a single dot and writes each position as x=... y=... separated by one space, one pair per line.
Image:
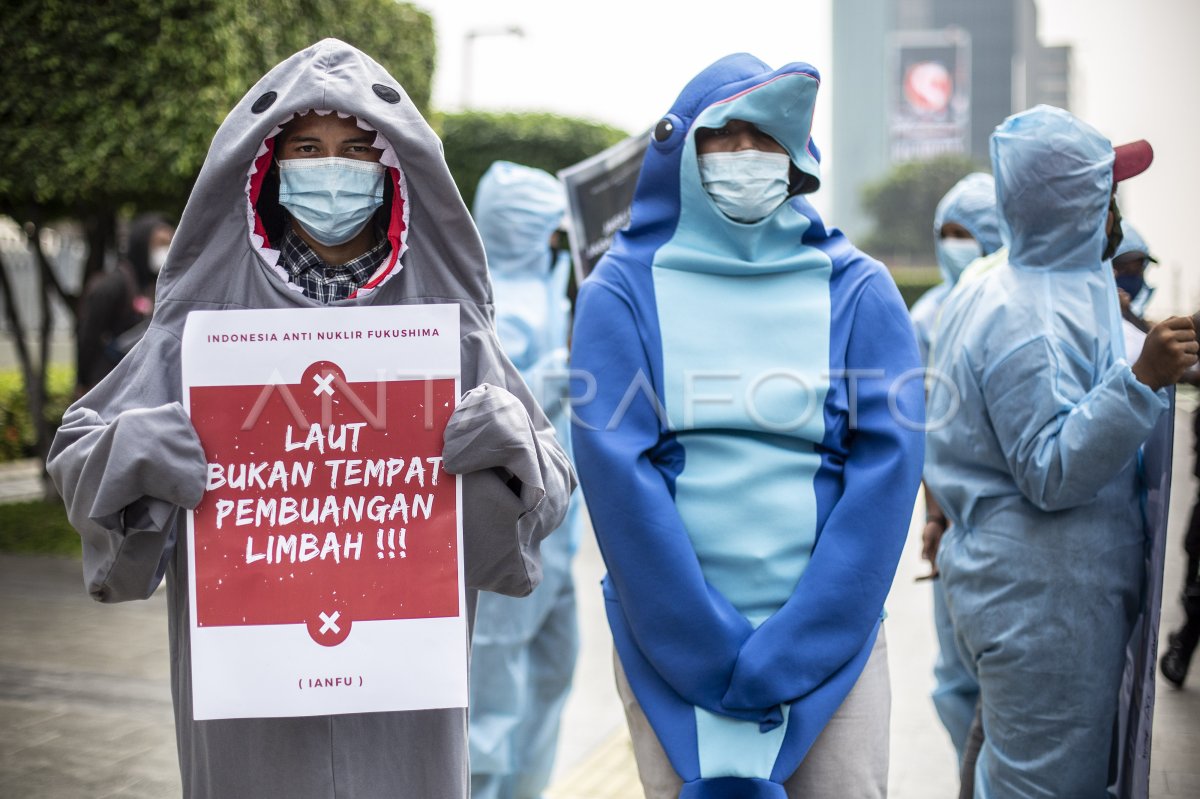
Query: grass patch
x=37 y=528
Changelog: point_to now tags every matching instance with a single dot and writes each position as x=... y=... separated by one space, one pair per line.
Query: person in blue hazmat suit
x=748 y=410
x=524 y=650
x=965 y=227
x=1129 y=265
x=1035 y=422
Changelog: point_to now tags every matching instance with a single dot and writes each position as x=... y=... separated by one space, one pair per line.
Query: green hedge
x=472 y=140
x=16 y=426
x=915 y=281
x=37 y=528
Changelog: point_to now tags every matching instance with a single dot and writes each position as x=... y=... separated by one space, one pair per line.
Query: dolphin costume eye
x=263 y=103
x=386 y=93
x=668 y=133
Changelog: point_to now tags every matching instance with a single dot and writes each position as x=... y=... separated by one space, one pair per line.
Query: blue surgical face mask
x=1131 y=284
x=331 y=198
x=955 y=255
x=746 y=185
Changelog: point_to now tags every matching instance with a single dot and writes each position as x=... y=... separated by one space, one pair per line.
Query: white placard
x=326 y=571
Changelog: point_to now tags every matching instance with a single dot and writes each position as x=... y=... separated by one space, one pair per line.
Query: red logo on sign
x=928 y=87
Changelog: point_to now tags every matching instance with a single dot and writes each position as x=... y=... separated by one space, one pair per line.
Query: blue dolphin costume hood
x=749 y=486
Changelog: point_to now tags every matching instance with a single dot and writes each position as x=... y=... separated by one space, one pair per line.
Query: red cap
x=1131 y=159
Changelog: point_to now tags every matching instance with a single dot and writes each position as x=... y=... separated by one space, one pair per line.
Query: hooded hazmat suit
x=523 y=650
x=1136 y=287
x=748 y=481
x=971 y=203
x=1033 y=444
x=128 y=462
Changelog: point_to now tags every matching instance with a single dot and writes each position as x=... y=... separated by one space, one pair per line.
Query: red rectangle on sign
x=327 y=503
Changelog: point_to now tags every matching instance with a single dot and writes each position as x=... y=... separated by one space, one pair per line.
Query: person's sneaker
x=1175 y=661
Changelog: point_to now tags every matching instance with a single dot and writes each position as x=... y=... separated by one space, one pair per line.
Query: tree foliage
x=903 y=201
x=472 y=140
x=113 y=104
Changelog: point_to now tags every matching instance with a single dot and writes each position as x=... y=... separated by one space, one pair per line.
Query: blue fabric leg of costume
x=522 y=662
x=956 y=691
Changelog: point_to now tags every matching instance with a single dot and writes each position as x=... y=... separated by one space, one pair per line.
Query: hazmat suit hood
x=971 y=203
x=1053 y=186
x=1053 y=183
x=1132 y=241
x=517 y=209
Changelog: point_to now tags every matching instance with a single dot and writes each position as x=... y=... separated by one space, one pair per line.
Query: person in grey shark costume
x=128 y=462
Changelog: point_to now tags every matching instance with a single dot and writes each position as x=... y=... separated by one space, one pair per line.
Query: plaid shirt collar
x=321 y=281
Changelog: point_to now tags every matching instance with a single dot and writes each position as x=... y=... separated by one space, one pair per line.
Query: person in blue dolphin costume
x=748 y=430
x=523 y=650
x=965 y=227
x=1035 y=425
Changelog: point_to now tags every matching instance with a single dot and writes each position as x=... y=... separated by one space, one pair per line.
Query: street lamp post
x=468 y=43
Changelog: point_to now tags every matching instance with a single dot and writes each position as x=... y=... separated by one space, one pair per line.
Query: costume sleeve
x=688 y=632
x=837 y=604
x=126 y=460
x=1062 y=440
x=516 y=478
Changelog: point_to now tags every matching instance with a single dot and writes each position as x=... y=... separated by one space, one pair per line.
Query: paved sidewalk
x=85 y=707
x=20 y=480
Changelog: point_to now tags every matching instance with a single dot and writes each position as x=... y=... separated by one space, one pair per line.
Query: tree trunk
x=37 y=396
x=18 y=330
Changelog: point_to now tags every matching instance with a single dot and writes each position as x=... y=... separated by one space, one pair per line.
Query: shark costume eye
x=386 y=93
x=263 y=103
x=668 y=133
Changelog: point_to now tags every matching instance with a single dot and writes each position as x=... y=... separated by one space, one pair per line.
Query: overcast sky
x=623 y=62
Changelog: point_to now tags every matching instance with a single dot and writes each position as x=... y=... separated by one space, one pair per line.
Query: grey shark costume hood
x=128 y=462
x=435 y=248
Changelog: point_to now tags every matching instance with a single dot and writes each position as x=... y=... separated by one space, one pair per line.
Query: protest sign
x=1135 y=712
x=326 y=555
x=599 y=195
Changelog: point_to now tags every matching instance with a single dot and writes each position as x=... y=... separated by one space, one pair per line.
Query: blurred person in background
x=1129 y=265
x=115 y=307
x=965 y=228
x=1036 y=464
x=523 y=650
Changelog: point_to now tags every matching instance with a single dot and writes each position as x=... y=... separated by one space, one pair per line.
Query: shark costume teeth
x=399 y=238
